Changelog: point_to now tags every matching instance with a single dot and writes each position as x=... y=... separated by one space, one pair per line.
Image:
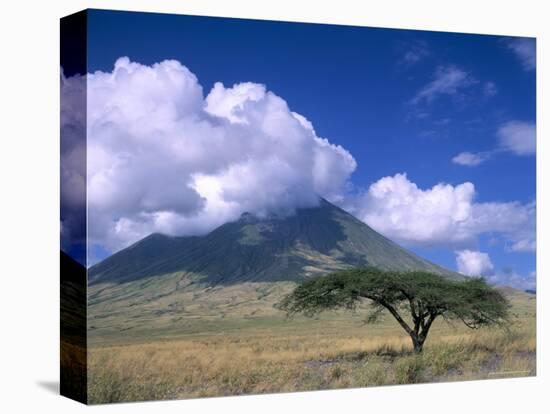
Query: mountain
x=310 y=242
x=73 y=300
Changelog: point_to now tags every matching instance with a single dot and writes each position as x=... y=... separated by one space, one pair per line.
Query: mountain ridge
x=312 y=241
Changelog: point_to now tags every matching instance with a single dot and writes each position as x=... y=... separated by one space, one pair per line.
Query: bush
x=409 y=370
x=374 y=372
x=445 y=358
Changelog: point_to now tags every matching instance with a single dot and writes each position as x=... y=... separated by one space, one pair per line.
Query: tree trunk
x=418 y=343
x=420 y=333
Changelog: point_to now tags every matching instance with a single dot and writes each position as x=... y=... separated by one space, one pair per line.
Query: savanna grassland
x=231 y=341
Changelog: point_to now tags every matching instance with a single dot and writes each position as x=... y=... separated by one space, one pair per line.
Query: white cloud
x=525 y=50
x=470 y=159
x=417 y=51
x=397 y=208
x=442 y=215
x=473 y=263
x=448 y=80
x=518 y=137
x=509 y=277
x=524 y=245
x=525 y=237
x=161 y=157
x=476 y=263
x=73 y=165
x=231 y=103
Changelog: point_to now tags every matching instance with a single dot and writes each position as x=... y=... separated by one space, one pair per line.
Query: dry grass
x=173 y=341
x=73 y=371
x=248 y=364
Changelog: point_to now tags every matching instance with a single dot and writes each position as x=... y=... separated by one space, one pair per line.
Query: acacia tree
x=415 y=299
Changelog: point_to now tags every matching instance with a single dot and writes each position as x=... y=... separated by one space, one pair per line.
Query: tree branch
x=427 y=324
x=398 y=317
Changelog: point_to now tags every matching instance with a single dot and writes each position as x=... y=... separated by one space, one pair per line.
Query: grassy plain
x=231 y=341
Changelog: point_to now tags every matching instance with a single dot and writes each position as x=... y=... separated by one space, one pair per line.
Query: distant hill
x=310 y=242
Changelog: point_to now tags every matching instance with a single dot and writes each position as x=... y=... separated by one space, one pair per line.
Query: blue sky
x=400 y=101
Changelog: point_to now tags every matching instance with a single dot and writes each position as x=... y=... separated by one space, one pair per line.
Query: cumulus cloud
x=518 y=137
x=397 y=208
x=448 y=80
x=442 y=215
x=476 y=263
x=73 y=166
x=471 y=159
x=164 y=158
x=473 y=263
x=525 y=50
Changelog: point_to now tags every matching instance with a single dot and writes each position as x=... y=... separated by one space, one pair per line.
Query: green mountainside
x=310 y=242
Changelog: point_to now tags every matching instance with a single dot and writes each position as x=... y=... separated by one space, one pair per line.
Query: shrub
x=409 y=370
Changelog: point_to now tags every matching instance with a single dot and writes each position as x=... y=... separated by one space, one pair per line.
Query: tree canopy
x=415 y=299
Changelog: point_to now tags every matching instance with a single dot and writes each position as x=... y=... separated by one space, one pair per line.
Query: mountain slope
x=312 y=241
